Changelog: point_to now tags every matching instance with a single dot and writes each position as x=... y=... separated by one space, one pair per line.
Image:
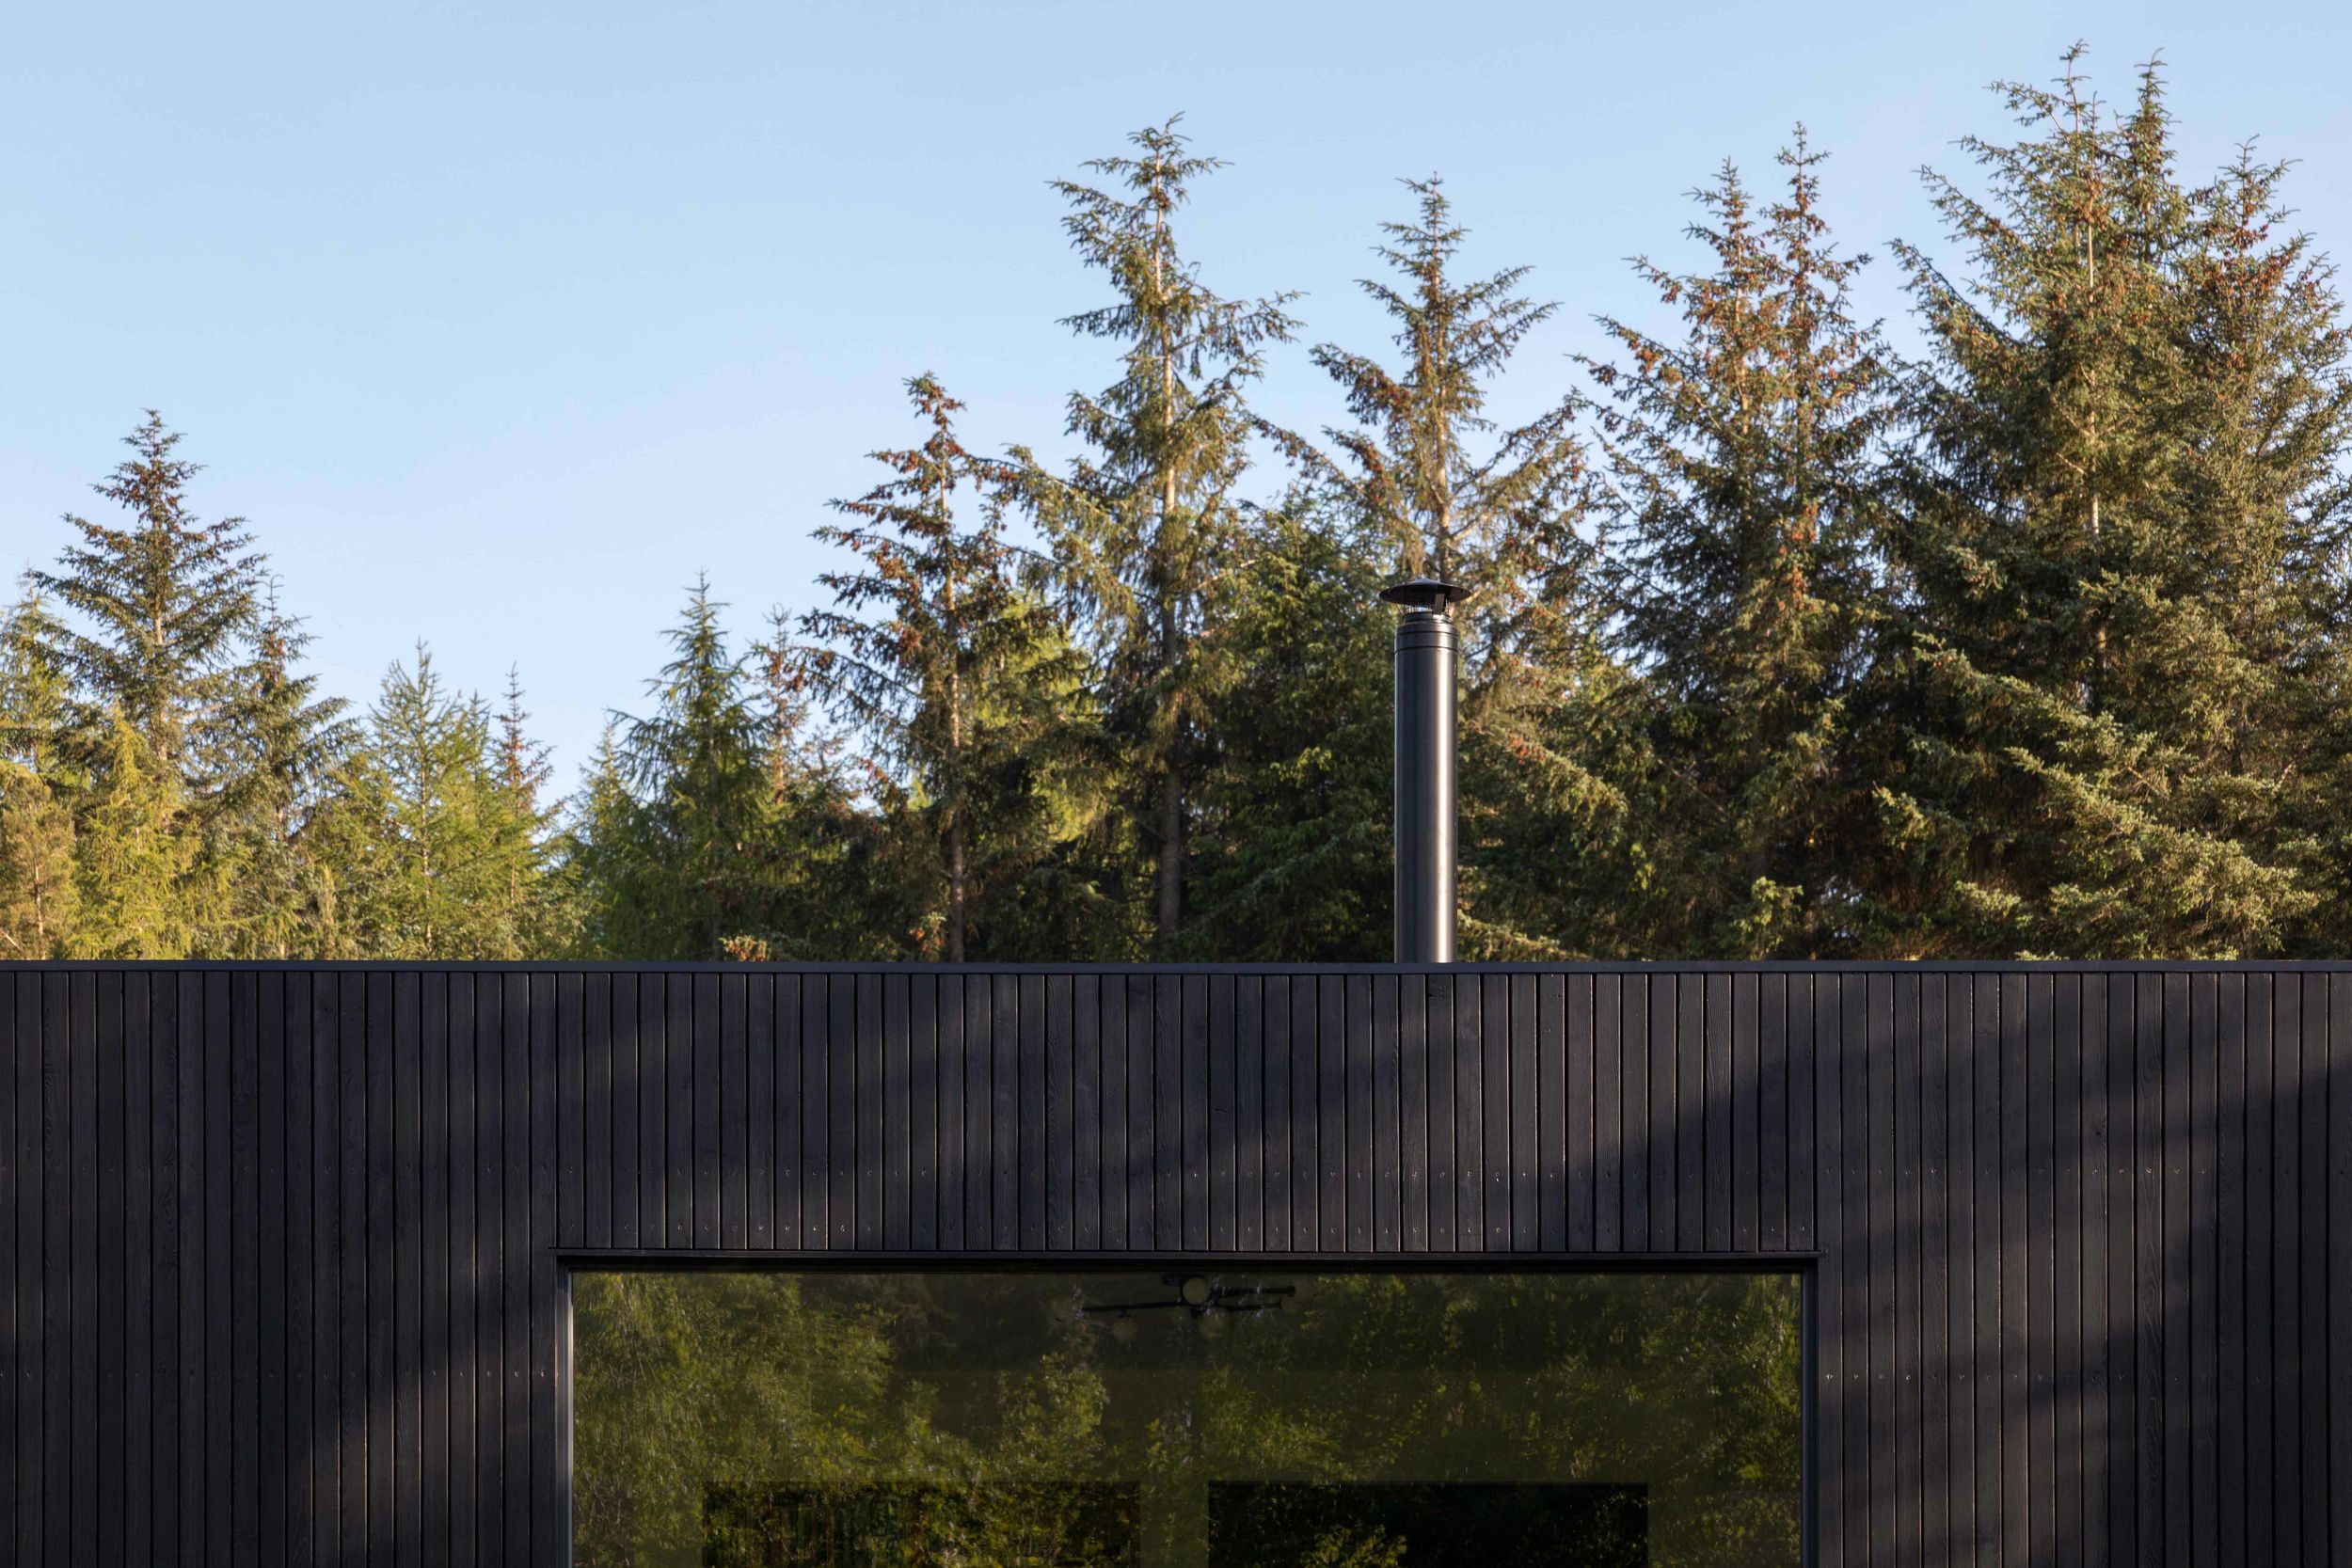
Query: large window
x=1180 y=1419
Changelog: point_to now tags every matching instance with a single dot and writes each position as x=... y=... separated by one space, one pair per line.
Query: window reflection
x=1209 y=1420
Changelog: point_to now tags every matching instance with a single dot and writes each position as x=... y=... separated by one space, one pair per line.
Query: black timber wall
x=283 y=1251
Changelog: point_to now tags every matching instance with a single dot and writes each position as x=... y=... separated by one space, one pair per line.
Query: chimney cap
x=1425 y=594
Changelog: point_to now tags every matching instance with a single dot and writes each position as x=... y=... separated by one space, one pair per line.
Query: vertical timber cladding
x=280 y=1247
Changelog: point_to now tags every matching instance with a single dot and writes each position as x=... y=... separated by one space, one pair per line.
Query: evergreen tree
x=960 y=685
x=163 y=623
x=430 y=853
x=37 y=895
x=1743 y=468
x=1294 y=858
x=288 y=739
x=1427 y=472
x=1423 y=464
x=167 y=607
x=136 y=855
x=1143 y=527
x=704 y=832
x=2104 y=718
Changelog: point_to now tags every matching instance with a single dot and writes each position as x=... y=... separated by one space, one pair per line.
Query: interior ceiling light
x=1195 y=1293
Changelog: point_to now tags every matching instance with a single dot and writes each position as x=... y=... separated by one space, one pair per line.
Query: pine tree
x=287 y=740
x=1427 y=472
x=38 y=895
x=960 y=685
x=430 y=852
x=167 y=610
x=137 y=853
x=2102 y=731
x=1293 y=863
x=1742 y=467
x=164 y=624
x=704 y=832
x=1423 y=464
x=1143 y=527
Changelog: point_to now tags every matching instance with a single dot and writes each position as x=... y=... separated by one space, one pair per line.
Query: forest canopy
x=1783 y=642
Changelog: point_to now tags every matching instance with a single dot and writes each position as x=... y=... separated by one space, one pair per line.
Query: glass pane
x=1164 y=1420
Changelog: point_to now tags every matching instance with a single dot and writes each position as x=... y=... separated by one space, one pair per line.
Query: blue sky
x=502 y=322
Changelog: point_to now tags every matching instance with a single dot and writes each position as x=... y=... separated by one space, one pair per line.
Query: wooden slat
x=1330 y=1120
x=544 y=1282
x=1664 y=1127
x=922 y=1109
x=627 y=1133
x=1360 y=1156
x=816 y=1055
x=733 y=1110
x=465 y=1270
x=1832 y=1386
x=2286 y=1294
x=1057 y=1218
x=1249 y=1185
x=1611 y=1103
x=1636 y=1132
x=2230 y=1434
x=759 y=1111
x=1891 y=1493
x=1494 y=1105
x=1387 y=1110
x=2148 y=1236
x=1583 y=1176
x=952 y=1073
x=1085 y=1112
x=1694 y=1089
x=2316 y=1349
x=690 y=1187
x=14 y=1270
x=2339 y=1112
x=1865 y=1457
x=101 y=1318
x=995 y=1048
x=2200 y=1218
x=896 y=1114
x=2091 y=1077
x=2065 y=1335
x=1015 y=1117
x=1735 y=1178
x=433 y=1154
x=1986 y=1028
x=599 y=1094
x=1188 y=1009
x=1721 y=1101
x=1933 y=1089
x=653 y=1043
x=20 y=1270
x=1517 y=1105
x=2172 y=1241
x=137 y=1249
x=1223 y=1051
x=403 y=1246
x=1143 y=1132
x=1775 y=1078
x=1306 y=1164
x=2122 y=1473
x=516 y=1352
x=1413 y=1124
x=1437 y=1085
x=1964 y=1254
x=867 y=1112
x=380 y=1284
x=1552 y=1112
x=1469 y=1103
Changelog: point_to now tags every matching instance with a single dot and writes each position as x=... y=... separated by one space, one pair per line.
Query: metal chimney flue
x=1428 y=650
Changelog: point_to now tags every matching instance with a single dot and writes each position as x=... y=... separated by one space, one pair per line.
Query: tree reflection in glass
x=969 y=1420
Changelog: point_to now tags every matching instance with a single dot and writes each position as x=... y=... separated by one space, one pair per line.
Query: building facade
x=289 y=1255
